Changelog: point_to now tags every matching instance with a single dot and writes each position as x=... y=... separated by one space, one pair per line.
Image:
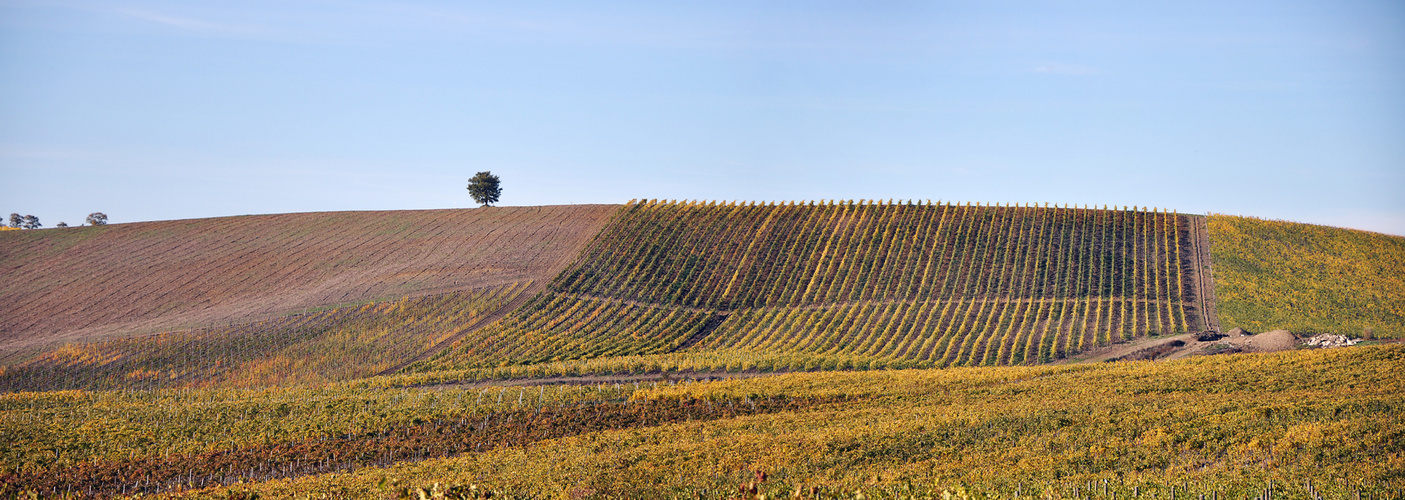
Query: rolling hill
x=574 y=352
x=1308 y=278
x=96 y=283
x=657 y=286
x=918 y=284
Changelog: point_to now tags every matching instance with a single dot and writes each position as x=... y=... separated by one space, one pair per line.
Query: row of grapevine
x=1136 y=431
x=105 y=281
x=942 y=333
x=340 y=343
x=941 y=284
x=736 y=256
x=555 y=327
x=464 y=429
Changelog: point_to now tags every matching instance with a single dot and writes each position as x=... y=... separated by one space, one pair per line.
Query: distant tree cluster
x=18 y=221
x=24 y=222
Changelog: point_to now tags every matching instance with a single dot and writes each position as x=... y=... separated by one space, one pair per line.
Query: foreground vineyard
x=1307 y=278
x=341 y=343
x=77 y=285
x=1222 y=426
x=921 y=283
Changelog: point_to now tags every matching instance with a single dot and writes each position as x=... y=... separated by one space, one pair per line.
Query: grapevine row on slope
x=737 y=256
x=82 y=284
x=555 y=327
x=335 y=344
x=937 y=333
x=926 y=284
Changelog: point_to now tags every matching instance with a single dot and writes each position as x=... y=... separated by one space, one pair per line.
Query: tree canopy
x=484 y=188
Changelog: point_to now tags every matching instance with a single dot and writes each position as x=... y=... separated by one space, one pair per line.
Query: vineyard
x=340 y=343
x=83 y=284
x=577 y=352
x=930 y=284
x=1308 y=278
x=554 y=327
x=1302 y=423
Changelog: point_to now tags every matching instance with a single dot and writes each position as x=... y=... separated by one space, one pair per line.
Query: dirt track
x=76 y=284
x=1204 y=275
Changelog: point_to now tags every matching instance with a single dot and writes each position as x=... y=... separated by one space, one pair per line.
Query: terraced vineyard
x=339 y=343
x=935 y=284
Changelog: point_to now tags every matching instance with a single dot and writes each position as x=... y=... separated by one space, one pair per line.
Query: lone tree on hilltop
x=484 y=188
x=16 y=221
x=97 y=219
x=32 y=222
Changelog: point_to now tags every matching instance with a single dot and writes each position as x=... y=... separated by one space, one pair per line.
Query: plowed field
x=94 y=283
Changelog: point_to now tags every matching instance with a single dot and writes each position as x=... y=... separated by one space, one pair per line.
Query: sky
x=155 y=110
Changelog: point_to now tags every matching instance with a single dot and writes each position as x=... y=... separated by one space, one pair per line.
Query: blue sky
x=152 y=110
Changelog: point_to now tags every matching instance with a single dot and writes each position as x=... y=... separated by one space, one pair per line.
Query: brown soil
x=78 y=284
x=1202 y=279
x=1274 y=341
x=1124 y=349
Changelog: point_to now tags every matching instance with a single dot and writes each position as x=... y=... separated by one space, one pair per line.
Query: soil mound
x=1274 y=341
x=1154 y=352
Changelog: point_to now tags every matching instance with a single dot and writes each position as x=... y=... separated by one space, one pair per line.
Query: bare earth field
x=93 y=283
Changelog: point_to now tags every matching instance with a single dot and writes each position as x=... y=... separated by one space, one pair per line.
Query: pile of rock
x=1327 y=340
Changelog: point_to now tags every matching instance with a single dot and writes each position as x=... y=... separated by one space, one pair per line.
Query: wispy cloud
x=186 y=23
x=1065 y=69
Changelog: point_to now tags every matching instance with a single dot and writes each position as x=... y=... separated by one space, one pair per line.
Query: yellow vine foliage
x=1307 y=278
x=1222 y=426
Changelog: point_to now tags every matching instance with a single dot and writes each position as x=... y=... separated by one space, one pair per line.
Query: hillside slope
x=95 y=283
x=327 y=345
x=1307 y=278
x=930 y=284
